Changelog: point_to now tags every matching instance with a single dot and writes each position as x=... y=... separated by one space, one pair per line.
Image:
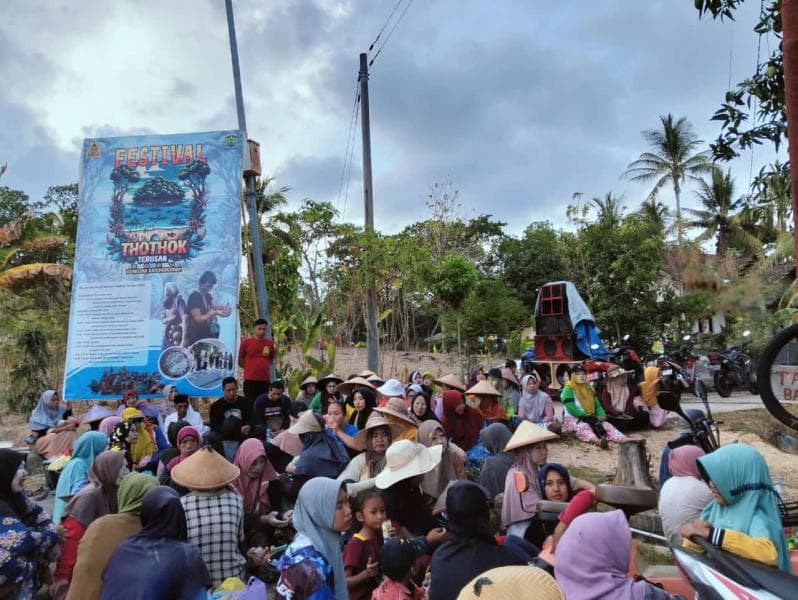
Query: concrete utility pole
x=254 y=226
x=789 y=20
x=373 y=338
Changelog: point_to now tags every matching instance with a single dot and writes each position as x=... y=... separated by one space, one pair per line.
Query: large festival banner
x=156 y=272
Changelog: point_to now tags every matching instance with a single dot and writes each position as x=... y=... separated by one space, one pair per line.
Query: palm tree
x=655 y=212
x=774 y=193
x=670 y=161
x=718 y=218
x=609 y=209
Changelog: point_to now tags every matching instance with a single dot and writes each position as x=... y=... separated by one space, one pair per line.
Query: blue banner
x=156 y=273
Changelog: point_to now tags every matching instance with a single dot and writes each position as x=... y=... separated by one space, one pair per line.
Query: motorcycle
x=678 y=371
x=733 y=369
x=703 y=429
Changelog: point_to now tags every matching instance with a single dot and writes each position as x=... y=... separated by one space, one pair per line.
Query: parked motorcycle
x=702 y=428
x=733 y=369
x=678 y=371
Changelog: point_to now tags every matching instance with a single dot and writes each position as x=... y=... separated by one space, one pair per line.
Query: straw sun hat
x=528 y=434
x=451 y=381
x=366 y=374
x=328 y=378
x=349 y=386
x=308 y=422
x=405 y=459
x=205 y=470
x=396 y=407
x=376 y=420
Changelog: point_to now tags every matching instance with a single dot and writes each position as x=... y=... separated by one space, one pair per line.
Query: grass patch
x=653 y=555
x=590 y=474
x=757 y=421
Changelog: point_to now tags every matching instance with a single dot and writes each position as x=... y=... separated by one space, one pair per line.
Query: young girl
x=361 y=554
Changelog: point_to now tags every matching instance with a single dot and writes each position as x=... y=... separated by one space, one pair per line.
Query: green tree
x=159 y=191
x=718 y=218
x=672 y=160
x=13 y=204
x=491 y=309
x=528 y=262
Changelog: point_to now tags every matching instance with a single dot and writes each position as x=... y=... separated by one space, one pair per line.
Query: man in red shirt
x=255 y=356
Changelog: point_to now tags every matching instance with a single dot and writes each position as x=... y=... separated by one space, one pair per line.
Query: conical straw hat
x=451 y=381
x=205 y=470
x=366 y=374
x=528 y=434
x=483 y=388
x=308 y=379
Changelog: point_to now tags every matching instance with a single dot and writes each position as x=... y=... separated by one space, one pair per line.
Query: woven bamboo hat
x=205 y=470
x=308 y=379
x=512 y=582
x=483 y=388
x=349 y=386
x=367 y=374
x=308 y=422
x=528 y=434
x=451 y=381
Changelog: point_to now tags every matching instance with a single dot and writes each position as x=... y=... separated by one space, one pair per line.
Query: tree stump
x=633 y=465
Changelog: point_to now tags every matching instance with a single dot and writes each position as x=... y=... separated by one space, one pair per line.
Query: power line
x=388 y=37
x=384 y=25
x=350 y=145
x=349 y=170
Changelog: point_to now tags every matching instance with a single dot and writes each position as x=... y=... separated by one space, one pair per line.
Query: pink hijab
x=253 y=491
x=184 y=432
x=593 y=559
x=108 y=423
x=682 y=461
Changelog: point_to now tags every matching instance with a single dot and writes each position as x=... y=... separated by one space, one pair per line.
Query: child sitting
x=361 y=554
x=396 y=562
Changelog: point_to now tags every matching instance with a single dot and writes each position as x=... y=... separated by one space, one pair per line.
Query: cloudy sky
x=519 y=104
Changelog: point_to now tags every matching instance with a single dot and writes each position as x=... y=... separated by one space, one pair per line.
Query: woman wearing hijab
x=376 y=438
x=124 y=436
x=529 y=446
x=322 y=455
x=158 y=562
x=420 y=405
x=743 y=517
x=107 y=425
x=312 y=566
x=471 y=548
x=535 y=405
x=50 y=434
x=142 y=450
x=172 y=451
x=74 y=475
x=593 y=561
x=556 y=485
x=453 y=459
x=188 y=442
x=98 y=498
x=105 y=534
x=494 y=471
x=684 y=495
x=584 y=414
x=129 y=400
x=416 y=378
x=487 y=401
x=648 y=392
x=461 y=422
x=253 y=487
x=364 y=402
x=27 y=535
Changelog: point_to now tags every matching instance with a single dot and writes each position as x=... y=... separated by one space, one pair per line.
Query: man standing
x=230 y=405
x=255 y=356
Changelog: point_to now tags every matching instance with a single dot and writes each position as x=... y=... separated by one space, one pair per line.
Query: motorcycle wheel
x=722 y=387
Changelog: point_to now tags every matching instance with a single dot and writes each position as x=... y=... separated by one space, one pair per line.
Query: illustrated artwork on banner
x=156 y=266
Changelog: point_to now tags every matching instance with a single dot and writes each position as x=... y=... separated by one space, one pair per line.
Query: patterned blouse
x=23 y=544
x=304 y=573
